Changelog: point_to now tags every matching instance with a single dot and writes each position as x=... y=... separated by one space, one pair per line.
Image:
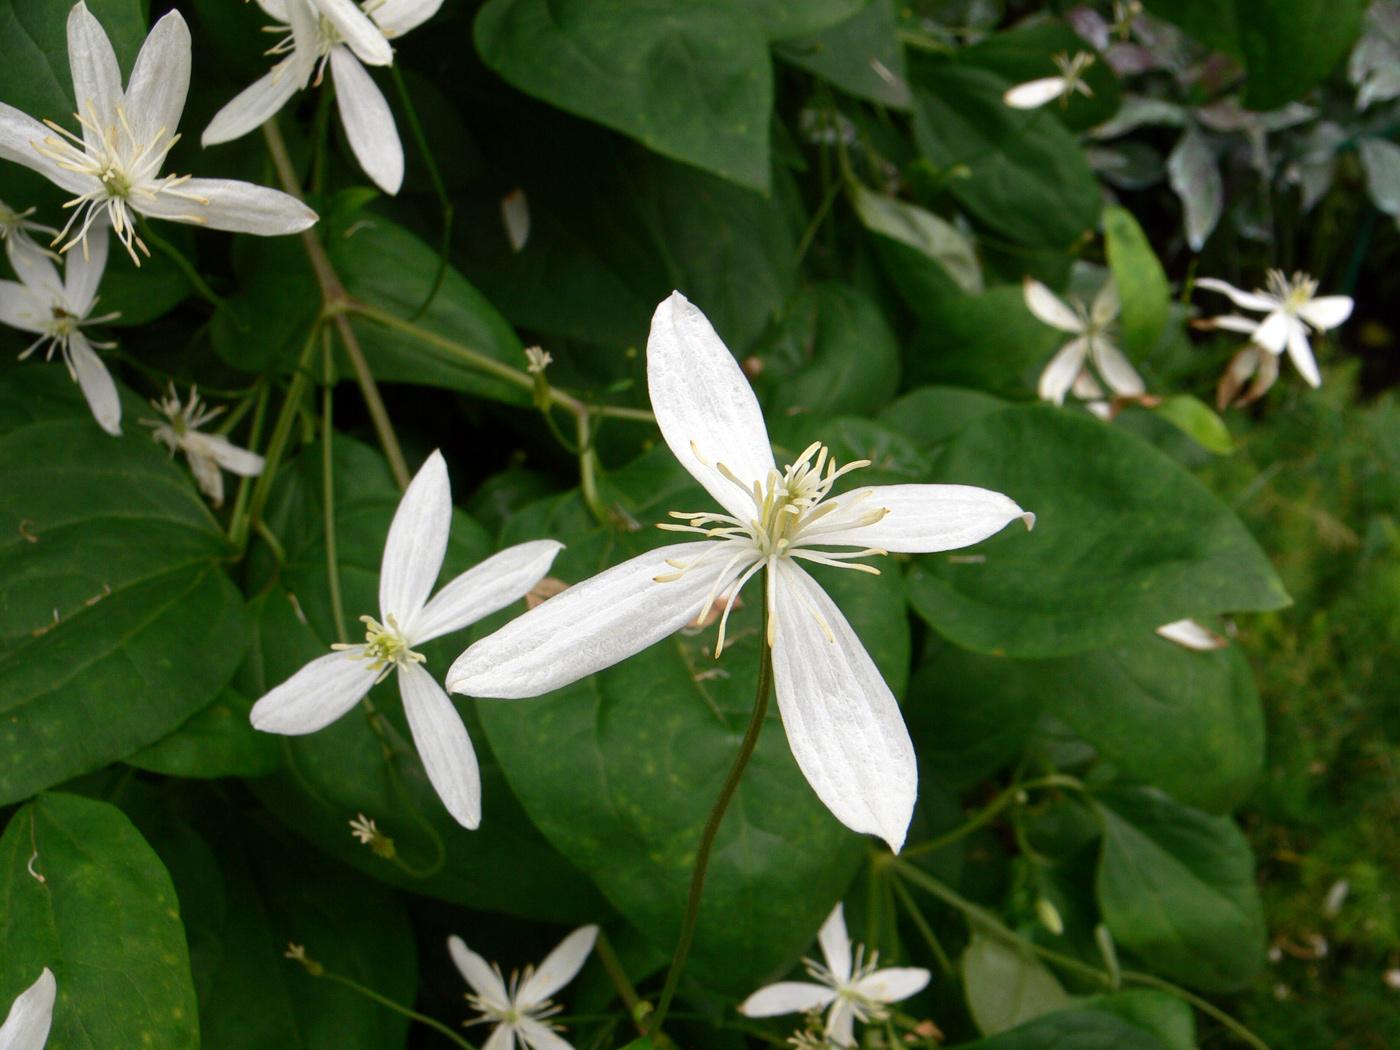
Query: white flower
x=15 y=227
x=521 y=1008
x=27 y=1026
x=1091 y=343
x=206 y=452
x=1292 y=307
x=115 y=166
x=344 y=35
x=538 y=360
x=853 y=988
x=1035 y=93
x=329 y=686
x=56 y=309
x=842 y=721
x=1192 y=635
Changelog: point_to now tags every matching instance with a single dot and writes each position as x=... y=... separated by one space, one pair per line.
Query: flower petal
x=502 y=1037
x=539 y=1036
x=786 y=997
x=559 y=967
x=843 y=724
x=364 y=37
x=1248 y=300
x=416 y=543
x=21 y=308
x=232 y=458
x=97 y=79
x=1062 y=371
x=1272 y=333
x=1326 y=311
x=96 y=384
x=1300 y=350
x=368 y=123
x=594 y=624
x=478 y=973
x=1049 y=307
x=83 y=268
x=443 y=744
x=1034 y=93
x=397 y=17
x=252 y=106
x=926 y=518
x=1114 y=367
x=17 y=133
x=160 y=80
x=228 y=204
x=840 y=1023
x=1191 y=635
x=700 y=395
x=1106 y=304
x=31 y=1015
x=314 y=697
x=836 y=943
x=483 y=589
x=894 y=984
x=1234 y=323
x=37 y=272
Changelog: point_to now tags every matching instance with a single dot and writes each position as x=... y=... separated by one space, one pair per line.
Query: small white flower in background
x=330 y=685
x=515 y=216
x=843 y=724
x=853 y=987
x=1090 y=328
x=1191 y=635
x=521 y=1008
x=15 y=227
x=1336 y=897
x=343 y=35
x=31 y=1016
x=538 y=360
x=57 y=309
x=1035 y=93
x=206 y=452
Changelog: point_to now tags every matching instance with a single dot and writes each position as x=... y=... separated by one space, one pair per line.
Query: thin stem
x=985 y=815
x=818 y=217
x=187 y=268
x=321 y=134
x=707 y=837
x=930 y=938
x=328 y=492
x=238 y=521
x=384 y=1000
x=627 y=992
x=438 y=188
x=587 y=468
x=274 y=544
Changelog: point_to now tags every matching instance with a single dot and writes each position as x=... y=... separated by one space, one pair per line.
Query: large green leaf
x=118 y=621
x=862 y=55
x=1006 y=985
x=1125 y=541
x=689 y=78
x=102 y=915
x=989 y=341
x=218 y=741
x=1176 y=887
x=1071 y=1030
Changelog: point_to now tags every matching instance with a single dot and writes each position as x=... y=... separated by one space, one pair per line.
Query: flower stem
x=328 y=492
x=707 y=837
x=238 y=521
x=384 y=1000
x=587 y=469
x=627 y=992
x=438 y=188
x=985 y=815
x=186 y=267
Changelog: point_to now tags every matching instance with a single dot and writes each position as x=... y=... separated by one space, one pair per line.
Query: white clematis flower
x=853 y=988
x=521 y=1008
x=329 y=686
x=1090 y=343
x=31 y=1016
x=115 y=166
x=1292 y=307
x=1035 y=93
x=207 y=453
x=344 y=35
x=842 y=721
x=57 y=309
x=15 y=228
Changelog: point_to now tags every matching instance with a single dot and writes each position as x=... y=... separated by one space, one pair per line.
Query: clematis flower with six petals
x=842 y=721
x=206 y=453
x=329 y=686
x=31 y=1016
x=852 y=986
x=521 y=1008
x=1090 y=343
x=114 y=167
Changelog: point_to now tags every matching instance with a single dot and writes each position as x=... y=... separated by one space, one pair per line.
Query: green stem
x=274 y=544
x=627 y=992
x=187 y=268
x=399 y=1008
x=587 y=469
x=321 y=133
x=818 y=217
x=238 y=521
x=328 y=492
x=930 y=938
x=985 y=815
x=438 y=188
x=707 y=837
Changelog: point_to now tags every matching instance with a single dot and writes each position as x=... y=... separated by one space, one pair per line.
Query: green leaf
x=1070 y=1030
x=690 y=79
x=1166 y=1016
x=863 y=56
x=1125 y=541
x=1142 y=284
x=1006 y=985
x=930 y=415
x=217 y=742
x=937 y=240
x=119 y=621
x=1198 y=421
x=784 y=19
x=104 y=919
x=989 y=341
x=1176 y=887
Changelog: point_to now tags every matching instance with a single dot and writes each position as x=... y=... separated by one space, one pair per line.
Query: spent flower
x=1091 y=327
x=1035 y=93
x=207 y=453
x=31 y=1016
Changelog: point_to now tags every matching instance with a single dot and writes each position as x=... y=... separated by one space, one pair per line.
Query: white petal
x=397 y=17
x=252 y=106
x=27 y=1026
x=364 y=37
x=483 y=589
x=1326 y=311
x=442 y=744
x=786 y=997
x=539 y=1036
x=206 y=474
x=315 y=696
x=228 y=204
x=232 y=458
x=96 y=384
x=1235 y=323
x=1062 y=371
x=160 y=80
x=1272 y=333
x=593 y=624
x=836 y=943
x=275 y=9
x=1106 y=305
x=842 y=721
x=368 y=123
x=894 y=984
x=559 y=967
x=416 y=543
x=1248 y=300
x=502 y=1037
x=700 y=395
x=21 y=308
x=1049 y=307
x=840 y=1023
x=1120 y=376
x=1034 y=93
x=17 y=132
x=1191 y=635
x=83 y=268
x=478 y=973
x=926 y=518
x=1301 y=352
x=97 y=79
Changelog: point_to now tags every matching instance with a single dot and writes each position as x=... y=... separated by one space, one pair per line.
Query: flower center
x=1294 y=293
x=862 y=1006
x=385 y=647
x=62 y=324
x=509 y=1013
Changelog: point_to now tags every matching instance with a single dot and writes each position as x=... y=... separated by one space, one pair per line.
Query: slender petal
x=843 y=724
x=502 y=1037
x=17 y=133
x=1063 y=369
x=232 y=458
x=368 y=123
x=1263 y=379
x=1272 y=333
x=397 y=17
x=786 y=997
x=97 y=79
x=276 y=10
x=207 y=475
x=836 y=943
x=894 y=984
x=559 y=967
x=1048 y=307
x=699 y=394
x=96 y=384
x=483 y=589
x=539 y=1036
x=1034 y=93
x=443 y=744
x=840 y=1023
x=31 y=1015
x=593 y=624
x=364 y=37
x=1191 y=635
x=1300 y=350
x=416 y=543
x=1235 y=323
x=37 y=272
x=1248 y=300
x=1326 y=311
x=1243 y=365
x=314 y=697
x=83 y=269
x=1117 y=372
x=160 y=80
x=1106 y=305
x=927 y=518
x=228 y=204
x=250 y=108
x=478 y=973
x=21 y=308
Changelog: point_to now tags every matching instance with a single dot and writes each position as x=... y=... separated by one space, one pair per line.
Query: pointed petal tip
x=1029 y=518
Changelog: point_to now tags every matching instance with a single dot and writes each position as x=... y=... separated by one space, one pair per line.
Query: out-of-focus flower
x=15 y=227
x=206 y=452
x=1192 y=635
x=1035 y=93
x=1068 y=368
x=31 y=1016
